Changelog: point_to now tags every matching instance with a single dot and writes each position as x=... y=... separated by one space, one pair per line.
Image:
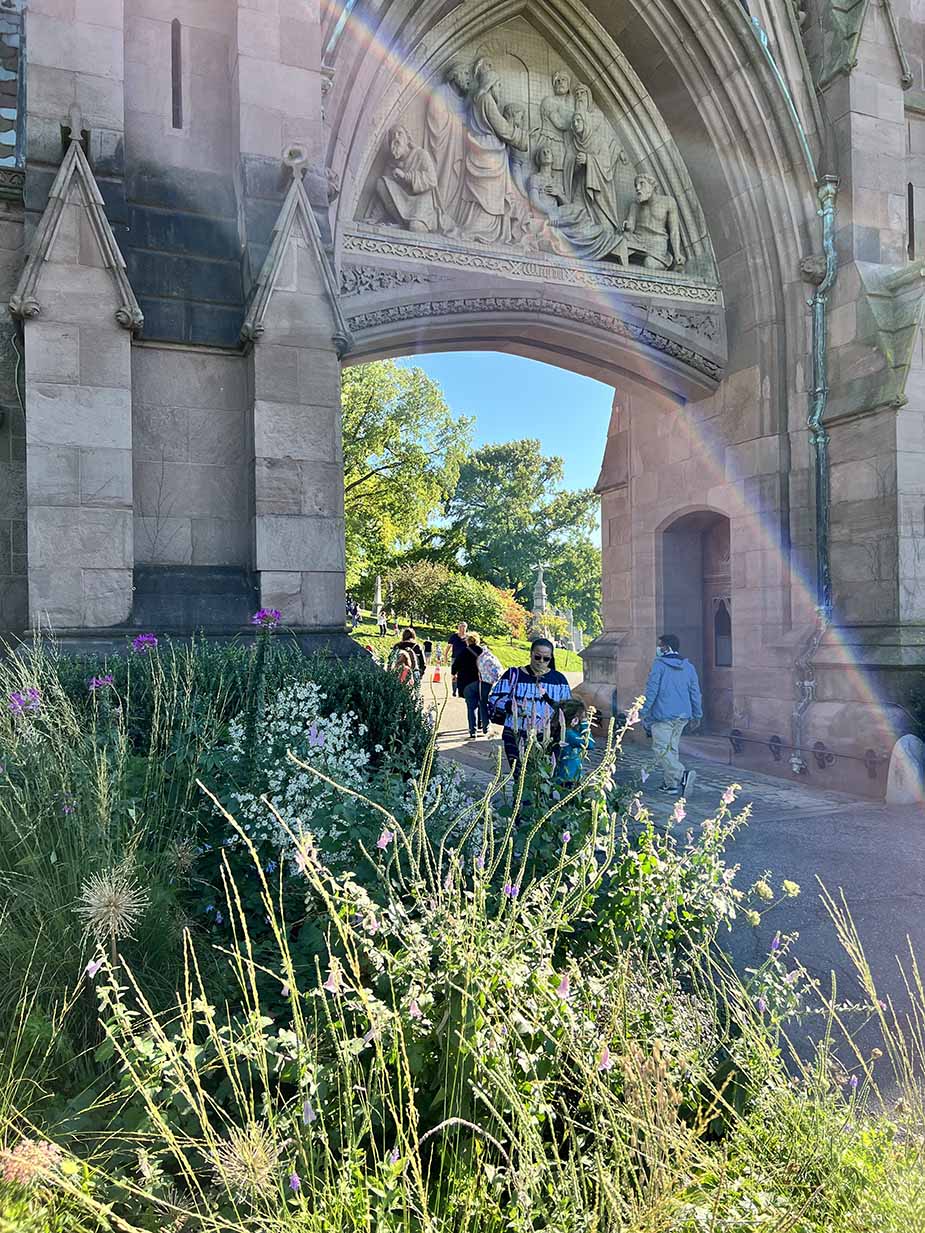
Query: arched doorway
x=696 y=604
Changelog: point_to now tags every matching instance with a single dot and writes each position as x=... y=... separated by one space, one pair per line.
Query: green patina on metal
x=818 y=434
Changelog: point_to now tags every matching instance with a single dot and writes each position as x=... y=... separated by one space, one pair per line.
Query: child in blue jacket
x=578 y=740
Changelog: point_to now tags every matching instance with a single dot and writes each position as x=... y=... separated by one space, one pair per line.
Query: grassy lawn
x=511 y=652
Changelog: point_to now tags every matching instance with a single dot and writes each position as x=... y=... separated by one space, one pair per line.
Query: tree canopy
x=402 y=451
x=507 y=515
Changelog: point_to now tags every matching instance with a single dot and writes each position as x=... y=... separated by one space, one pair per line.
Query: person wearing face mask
x=672 y=702
x=528 y=699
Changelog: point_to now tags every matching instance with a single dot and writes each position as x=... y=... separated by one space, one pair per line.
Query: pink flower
x=93 y=967
x=308 y=1113
x=632 y=716
x=679 y=813
x=729 y=796
x=605 y=1061
x=414 y=1011
x=30 y=1161
x=384 y=840
x=563 y=990
x=143 y=643
x=334 y=983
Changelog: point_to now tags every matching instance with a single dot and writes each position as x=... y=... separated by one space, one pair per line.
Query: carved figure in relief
x=590 y=166
x=409 y=191
x=574 y=232
x=652 y=231
x=445 y=134
x=556 y=113
x=519 y=155
x=491 y=208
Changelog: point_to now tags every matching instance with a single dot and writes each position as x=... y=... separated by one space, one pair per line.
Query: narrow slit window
x=176 y=76
x=910 y=221
x=722 y=633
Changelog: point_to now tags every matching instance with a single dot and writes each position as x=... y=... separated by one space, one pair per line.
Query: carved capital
x=812 y=269
x=130 y=317
x=24 y=306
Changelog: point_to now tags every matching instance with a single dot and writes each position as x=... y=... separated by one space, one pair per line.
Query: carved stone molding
x=367 y=279
x=74 y=171
x=534 y=306
x=704 y=324
x=533 y=267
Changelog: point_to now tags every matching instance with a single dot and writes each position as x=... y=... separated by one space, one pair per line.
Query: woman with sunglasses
x=528 y=699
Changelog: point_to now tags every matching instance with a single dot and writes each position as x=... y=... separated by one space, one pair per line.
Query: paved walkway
x=874 y=853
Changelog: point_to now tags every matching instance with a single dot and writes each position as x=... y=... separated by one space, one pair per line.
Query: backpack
x=490 y=669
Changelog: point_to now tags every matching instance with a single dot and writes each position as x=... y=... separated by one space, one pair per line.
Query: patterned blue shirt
x=530 y=701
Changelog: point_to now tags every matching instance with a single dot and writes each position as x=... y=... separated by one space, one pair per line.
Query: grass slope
x=513 y=653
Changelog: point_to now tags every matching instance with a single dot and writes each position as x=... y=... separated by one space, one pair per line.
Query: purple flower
x=394 y=1156
x=308 y=1113
x=99 y=682
x=762 y=1006
x=511 y=889
x=267 y=618
x=643 y=775
x=315 y=738
x=605 y=1061
x=270 y=867
x=853 y=1083
x=144 y=643
x=566 y=836
x=384 y=840
x=775 y=943
x=729 y=796
x=295 y=1182
x=31 y=700
x=480 y=862
x=93 y=967
x=68 y=807
x=218 y=918
x=563 y=991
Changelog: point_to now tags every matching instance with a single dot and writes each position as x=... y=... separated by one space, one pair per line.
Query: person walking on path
x=490 y=670
x=409 y=642
x=383 y=623
x=529 y=699
x=454 y=644
x=465 y=670
x=672 y=702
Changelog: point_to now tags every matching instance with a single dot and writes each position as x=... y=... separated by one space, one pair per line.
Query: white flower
x=112 y=903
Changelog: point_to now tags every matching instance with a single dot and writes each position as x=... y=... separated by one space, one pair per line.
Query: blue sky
x=512 y=398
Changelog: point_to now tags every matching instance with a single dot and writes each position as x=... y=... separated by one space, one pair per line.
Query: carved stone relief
x=533 y=306
x=508 y=149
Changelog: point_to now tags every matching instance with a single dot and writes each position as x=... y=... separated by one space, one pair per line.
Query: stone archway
x=695 y=603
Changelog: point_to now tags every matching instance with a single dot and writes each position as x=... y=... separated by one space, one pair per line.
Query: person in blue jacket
x=672 y=702
x=578 y=740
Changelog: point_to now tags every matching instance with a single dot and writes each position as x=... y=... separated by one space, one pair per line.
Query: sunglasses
x=543 y=659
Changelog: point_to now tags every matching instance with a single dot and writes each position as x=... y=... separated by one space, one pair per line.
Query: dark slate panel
x=164 y=319
x=191 y=234
x=259 y=219
x=265 y=177
x=213 y=326
x=170 y=188
x=179 y=277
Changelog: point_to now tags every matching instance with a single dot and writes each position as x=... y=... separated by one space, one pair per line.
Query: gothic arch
x=737 y=153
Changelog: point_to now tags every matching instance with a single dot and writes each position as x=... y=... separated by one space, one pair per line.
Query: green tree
x=402 y=451
x=428 y=592
x=508 y=514
x=574 y=581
